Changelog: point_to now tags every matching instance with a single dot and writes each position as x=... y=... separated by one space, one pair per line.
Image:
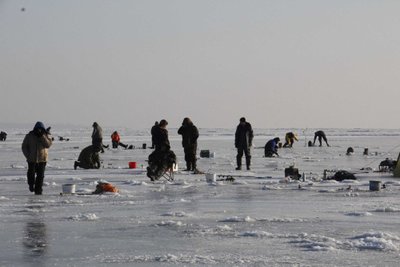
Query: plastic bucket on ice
x=211 y=177
x=374 y=185
x=68 y=189
x=132 y=164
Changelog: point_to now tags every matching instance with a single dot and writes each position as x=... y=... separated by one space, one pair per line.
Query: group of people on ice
x=271 y=147
x=37 y=142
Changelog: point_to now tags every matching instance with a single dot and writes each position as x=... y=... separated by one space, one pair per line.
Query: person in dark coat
x=35 y=149
x=320 y=135
x=271 y=147
x=162 y=158
x=161 y=141
x=97 y=138
x=189 y=134
x=3 y=136
x=153 y=130
x=88 y=159
x=243 y=142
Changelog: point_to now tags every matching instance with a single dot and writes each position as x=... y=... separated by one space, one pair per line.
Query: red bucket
x=132 y=165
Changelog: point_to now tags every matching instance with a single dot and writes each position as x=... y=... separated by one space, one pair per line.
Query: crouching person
x=88 y=158
x=35 y=149
x=271 y=148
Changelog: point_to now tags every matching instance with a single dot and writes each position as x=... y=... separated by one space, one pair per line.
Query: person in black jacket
x=153 y=130
x=161 y=141
x=162 y=158
x=243 y=142
x=320 y=135
x=189 y=134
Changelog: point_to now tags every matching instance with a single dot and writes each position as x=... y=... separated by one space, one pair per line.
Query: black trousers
x=190 y=157
x=36 y=175
x=246 y=152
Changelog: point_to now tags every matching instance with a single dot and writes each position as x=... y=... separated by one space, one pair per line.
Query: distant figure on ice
x=189 y=134
x=3 y=136
x=162 y=158
x=116 y=141
x=290 y=137
x=321 y=135
x=97 y=138
x=271 y=148
x=35 y=148
x=153 y=130
x=88 y=159
x=349 y=151
x=243 y=142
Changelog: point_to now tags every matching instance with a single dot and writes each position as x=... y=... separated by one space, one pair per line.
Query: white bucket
x=211 y=177
x=68 y=189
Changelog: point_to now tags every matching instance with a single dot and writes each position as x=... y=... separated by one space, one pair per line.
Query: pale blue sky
x=128 y=63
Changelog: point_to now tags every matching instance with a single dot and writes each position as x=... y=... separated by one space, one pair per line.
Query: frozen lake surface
x=260 y=219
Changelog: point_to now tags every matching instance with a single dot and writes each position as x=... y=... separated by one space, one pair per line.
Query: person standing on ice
x=189 y=134
x=243 y=142
x=152 y=131
x=97 y=138
x=321 y=135
x=35 y=149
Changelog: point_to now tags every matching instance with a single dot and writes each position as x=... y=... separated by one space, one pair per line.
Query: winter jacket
x=189 y=134
x=244 y=136
x=271 y=147
x=35 y=147
x=97 y=136
x=161 y=141
x=97 y=132
x=115 y=137
x=89 y=158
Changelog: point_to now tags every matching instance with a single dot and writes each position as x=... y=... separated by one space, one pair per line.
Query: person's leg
x=114 y=144
x=320 y=140
x=187 y=159
x=40 y=168
x=194 y=159
x=123 y=145
x=248 y=158
x=31 y=175
x=315 y=138
x=326 y=140
x=239 y=158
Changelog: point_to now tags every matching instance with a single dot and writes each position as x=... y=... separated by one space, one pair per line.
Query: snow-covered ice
x=260 y=219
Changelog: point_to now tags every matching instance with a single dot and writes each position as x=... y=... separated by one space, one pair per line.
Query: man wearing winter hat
x=35 y=148
x=243 y=142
